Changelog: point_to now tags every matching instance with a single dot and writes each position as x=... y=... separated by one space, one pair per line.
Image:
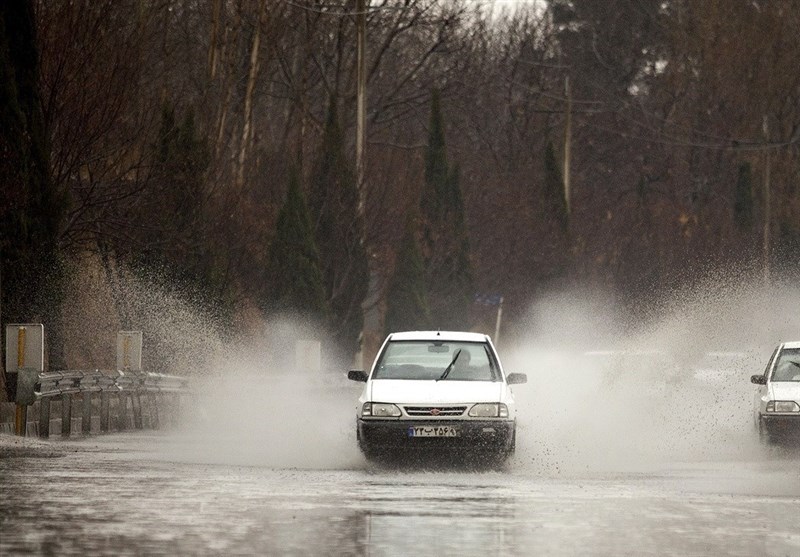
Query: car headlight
x=380 y=410
x=490 y=410
x=782 y=406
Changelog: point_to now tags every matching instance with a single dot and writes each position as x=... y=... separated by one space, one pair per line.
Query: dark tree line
x=31 y=207
x=174 y=139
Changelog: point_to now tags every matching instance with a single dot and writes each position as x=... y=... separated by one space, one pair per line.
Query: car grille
x=435 y=411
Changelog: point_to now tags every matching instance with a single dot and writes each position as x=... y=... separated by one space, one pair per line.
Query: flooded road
x=129 y=494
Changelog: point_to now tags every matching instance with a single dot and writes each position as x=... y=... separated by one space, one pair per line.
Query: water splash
x=605 y=394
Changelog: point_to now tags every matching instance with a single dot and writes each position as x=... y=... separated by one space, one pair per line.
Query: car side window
x=787 y=367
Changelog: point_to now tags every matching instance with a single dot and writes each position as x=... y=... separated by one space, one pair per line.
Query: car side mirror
x=758 y=379
x=357 y=375
x=516 y=378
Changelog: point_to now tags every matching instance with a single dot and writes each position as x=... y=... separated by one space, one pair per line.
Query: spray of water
x=263 y=405
x=179 y=337
x=605 y=394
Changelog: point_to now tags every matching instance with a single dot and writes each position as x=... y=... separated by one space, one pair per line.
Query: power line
x=339 y=10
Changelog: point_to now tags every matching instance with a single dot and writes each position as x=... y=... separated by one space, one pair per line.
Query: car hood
x=435 y=392
x=785 y=390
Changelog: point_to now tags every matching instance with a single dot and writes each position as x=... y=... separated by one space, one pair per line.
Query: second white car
x=776 y=405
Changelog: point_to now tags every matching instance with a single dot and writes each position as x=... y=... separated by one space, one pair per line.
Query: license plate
x=432 y=431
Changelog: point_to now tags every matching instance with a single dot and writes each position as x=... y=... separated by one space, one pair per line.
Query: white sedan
x=437 y=391
x=776 y=407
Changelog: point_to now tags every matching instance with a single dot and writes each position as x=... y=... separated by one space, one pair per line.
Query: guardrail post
x=86 y=418
x=66 y=415
x=26 y=396
x=44 y=417
x=136 y=402
x=176 y=408
x=104 y=411
x=20 y=419
x=154 y=421
x=122 y=411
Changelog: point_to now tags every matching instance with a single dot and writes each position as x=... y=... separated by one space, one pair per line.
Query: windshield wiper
x=450 y=365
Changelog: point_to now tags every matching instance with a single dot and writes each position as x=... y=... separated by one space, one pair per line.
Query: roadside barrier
x=123 y=398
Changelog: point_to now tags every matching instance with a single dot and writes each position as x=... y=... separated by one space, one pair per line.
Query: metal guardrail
x=122 y=395
x=54 y=383
x=33 y=384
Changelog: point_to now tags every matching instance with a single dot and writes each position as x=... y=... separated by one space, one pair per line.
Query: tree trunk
x=248 y=98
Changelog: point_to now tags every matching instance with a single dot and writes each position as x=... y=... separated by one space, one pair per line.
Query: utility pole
x=767 y=203
x=361 y=131
x=361 y=97
x=567 y=143
x=497 y=322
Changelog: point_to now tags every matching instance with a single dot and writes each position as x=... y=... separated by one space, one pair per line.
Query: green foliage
x=437 y=172
x=554 y=201
x=294 y=283
x=448 y=269
x=743 y=198
x=181 y=163
x=339 y=230
x=457 y=266
x=31 y=209
x=406 y=298
x=179 y=252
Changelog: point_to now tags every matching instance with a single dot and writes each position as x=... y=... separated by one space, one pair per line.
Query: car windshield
x=787 y=367
x=437 y=360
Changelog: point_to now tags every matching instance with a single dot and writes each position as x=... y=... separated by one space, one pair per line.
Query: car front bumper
x=496 y=436
x=781 y=425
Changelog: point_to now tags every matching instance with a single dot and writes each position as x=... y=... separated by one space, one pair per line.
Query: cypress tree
x=294 y=280
x=436 y=169
x=339 y=230
x=743 y=198
x=180 y=252
x=455 y=312
x=555 y=203
x=406 y=297
x=448 y=270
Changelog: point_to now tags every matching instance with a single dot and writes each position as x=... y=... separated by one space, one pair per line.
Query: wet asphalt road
x=127 y=494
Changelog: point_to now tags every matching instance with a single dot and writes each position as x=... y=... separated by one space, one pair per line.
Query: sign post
x=129 y=350
x=24 y=363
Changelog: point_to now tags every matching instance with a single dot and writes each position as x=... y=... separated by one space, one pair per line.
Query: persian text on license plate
x=432 y=431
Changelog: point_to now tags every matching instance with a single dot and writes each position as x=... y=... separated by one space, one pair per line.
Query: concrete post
x=66 y=415
x=86 y=418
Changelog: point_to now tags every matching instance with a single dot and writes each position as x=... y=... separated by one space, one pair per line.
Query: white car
x=437 y=391
x=776 y=405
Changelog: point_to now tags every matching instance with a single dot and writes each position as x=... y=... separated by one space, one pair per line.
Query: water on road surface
x=126 y=494
x=630 y=441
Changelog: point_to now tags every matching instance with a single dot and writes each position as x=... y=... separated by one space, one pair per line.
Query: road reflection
x=435 y=516
x=124 y=497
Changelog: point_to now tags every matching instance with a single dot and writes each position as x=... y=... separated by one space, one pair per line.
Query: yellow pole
x=20 y=348
x=21 y=415
x=21 y=420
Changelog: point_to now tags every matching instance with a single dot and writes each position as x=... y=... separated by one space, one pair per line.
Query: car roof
x=440 y=335
x=795 y=344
